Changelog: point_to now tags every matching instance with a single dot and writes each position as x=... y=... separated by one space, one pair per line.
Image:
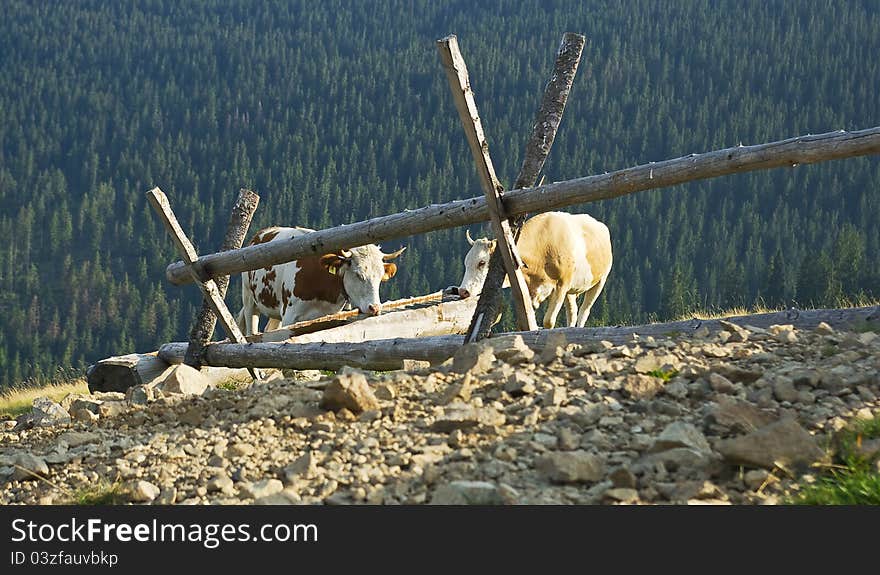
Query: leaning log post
x=738 y=159
x=463 y=95
x=546 y=124
x=208 y=286
x=206 y=320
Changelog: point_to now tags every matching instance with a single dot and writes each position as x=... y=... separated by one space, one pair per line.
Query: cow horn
x=469 y=238
x=391 y=256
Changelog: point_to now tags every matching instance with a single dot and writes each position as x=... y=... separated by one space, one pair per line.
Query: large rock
x=185 y=380
x=44 y=413
x=467 y=493
x=639 y=386
x=141 y=491
x=351 y=391
x=475 y=358
x=783 y=442
x=681 y=434
x=511 y=349
x=737 y=415
x=571 y=467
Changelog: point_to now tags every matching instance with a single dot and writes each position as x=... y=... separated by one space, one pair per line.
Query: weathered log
x=390 y=353
x=445 y=318
x=124 y=371
x=544 y=130
x=203 y=327
x=463 y=95
x=789 y=153
x=346 y=317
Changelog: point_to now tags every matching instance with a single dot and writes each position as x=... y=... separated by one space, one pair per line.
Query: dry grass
x=18 y=400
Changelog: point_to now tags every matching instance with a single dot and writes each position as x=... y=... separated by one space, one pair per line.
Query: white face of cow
x=476 y=266
x=362 y=269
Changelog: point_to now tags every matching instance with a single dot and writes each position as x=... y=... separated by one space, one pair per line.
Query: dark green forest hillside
x=339 y=111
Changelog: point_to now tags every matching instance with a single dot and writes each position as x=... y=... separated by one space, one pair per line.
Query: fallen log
x=122 y=372
x=389 y=354
x=449 y=317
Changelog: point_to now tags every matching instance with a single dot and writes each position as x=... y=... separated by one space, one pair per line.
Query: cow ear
x=332 y=263
x=492 y=245
x=390 y=270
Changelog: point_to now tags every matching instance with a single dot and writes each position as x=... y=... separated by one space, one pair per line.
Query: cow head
x=476 y=265
x=362 y=269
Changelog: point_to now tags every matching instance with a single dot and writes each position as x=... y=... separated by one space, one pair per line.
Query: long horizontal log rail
x=791 y=152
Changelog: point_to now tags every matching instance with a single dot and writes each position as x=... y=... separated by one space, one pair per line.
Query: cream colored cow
x=565 y=254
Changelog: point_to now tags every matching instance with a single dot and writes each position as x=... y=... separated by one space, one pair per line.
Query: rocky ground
x=742 y=416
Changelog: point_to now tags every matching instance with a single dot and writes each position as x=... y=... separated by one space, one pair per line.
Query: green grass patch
x=855 y=479
x=19 y=399
x=103 y=493
x=662 y=374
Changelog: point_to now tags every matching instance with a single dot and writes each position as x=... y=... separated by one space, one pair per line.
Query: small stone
x=720 y=384
x=737 y=333
x=823 y=329
x=184 y=380
x=303 y=466
x=475 y=358
x=463 y=416
x=386 y=392
x=467 y=493
x=621 y=495
x=140 y=491
x=192 y=416
x=784 y=389
x=571 y=467
x=680 y=434
x=112 y=408
x=755 y=478
x=83 y=415
x=240 y=449
x=29 y=467
x=555 y=396
x=262 y=488
x=351 y=391
x=554 y=347
x=511 y=349
x=460 y=391
x=221 y=483
x=519 y=384
x=410 y=365
x=77 y=438
x=567 y=439
x=639 y=386
x=622 y=477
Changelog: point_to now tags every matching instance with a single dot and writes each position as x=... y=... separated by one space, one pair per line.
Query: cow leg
x=554 y=306
x=273 y=324
x=590 y=298
x=571 y=309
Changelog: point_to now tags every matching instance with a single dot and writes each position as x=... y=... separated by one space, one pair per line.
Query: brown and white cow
x=312 y=286
x=565 y=254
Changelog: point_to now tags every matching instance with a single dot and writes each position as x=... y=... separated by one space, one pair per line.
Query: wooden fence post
x=546 y=124
x=208 y=286
x=457 y=74
x=206 y=320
